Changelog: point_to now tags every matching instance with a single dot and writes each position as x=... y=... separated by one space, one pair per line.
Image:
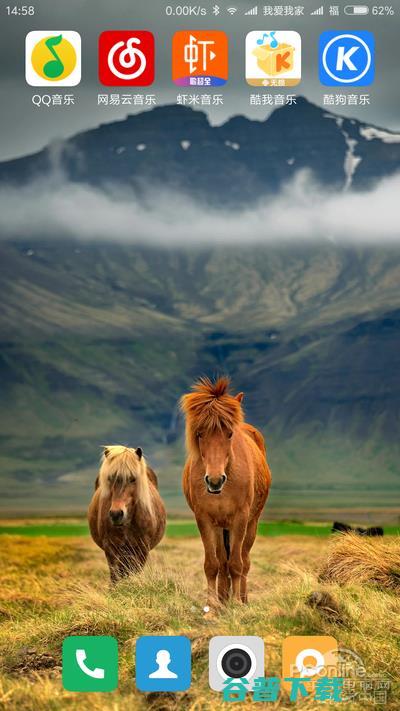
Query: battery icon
x=356 y=10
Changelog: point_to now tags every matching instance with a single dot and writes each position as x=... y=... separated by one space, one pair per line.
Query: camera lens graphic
x=232 y=657
x=236 y=663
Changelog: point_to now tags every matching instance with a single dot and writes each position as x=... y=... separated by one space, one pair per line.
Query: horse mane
x=124 y=462
x=209 y=407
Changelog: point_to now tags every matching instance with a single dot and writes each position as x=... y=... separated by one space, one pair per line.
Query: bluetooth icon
x=216 y=10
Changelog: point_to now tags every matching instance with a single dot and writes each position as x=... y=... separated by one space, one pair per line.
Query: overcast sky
x=26 y=128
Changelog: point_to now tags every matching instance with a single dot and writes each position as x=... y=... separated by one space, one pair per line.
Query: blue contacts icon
x=346 y=58
x=163 y=663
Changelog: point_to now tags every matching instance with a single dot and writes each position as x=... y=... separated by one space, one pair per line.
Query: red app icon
x=126 y=58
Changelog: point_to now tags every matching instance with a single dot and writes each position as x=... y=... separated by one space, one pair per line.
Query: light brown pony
x=226 y=481
x=126 y=514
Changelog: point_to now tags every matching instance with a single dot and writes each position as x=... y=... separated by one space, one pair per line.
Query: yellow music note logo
x=53 y=58
x=54 y=68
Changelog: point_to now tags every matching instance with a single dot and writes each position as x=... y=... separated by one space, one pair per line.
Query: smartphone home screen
x=200 y=328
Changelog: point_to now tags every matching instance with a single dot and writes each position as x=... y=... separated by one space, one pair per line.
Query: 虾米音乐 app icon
x=53 y=57
x=126 y=58
x=273 y=58
x=235 y=658
x=90 y=663
x=346 y=58
x=200 y=58
x=163 y=663
x=308 y=658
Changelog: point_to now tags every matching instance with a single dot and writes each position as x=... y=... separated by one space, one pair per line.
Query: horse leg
x=224 y=582
x=113 y=567
x=211 y=564
x=237 y=534
x=247 y=546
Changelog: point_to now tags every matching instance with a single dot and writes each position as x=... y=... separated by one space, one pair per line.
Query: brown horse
x=126 y=514
x=226 y=481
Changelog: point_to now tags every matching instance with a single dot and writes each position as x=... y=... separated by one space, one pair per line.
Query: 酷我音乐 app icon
x=273 y=58
x=126 y=58
x=90 y=663
x=163 y=663
x=53 y=58
x=346 y=58
x=308 y=658
x=235 y=658
x=200 y=58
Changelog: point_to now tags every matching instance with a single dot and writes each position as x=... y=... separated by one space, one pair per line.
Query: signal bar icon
x=252 y=11
x=318 y=11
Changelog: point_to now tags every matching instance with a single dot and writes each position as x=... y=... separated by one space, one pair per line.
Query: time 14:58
x=20 y=9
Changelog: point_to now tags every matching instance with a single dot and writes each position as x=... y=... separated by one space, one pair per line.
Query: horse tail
x=225 y=533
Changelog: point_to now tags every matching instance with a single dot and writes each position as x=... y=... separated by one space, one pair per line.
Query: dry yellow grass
x=355 y=559
x=51 y=588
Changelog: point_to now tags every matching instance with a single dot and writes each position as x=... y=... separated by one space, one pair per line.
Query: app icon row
x=163 y=663
x=199 y=58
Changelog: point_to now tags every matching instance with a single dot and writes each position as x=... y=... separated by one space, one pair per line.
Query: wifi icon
x=231 y=10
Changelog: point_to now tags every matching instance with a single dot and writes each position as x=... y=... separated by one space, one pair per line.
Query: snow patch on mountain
x=370 y=133
x=232 y=144
x=351 y=161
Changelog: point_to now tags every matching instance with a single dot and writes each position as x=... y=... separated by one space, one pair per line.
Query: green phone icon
x=90 y=663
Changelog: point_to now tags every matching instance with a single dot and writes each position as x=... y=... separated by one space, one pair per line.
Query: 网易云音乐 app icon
x=126 y=58
x=163 y=663
x=90 y=663
x=53 y=58
x=308 y=658
x=200 y=58
x=273 y=58
x=346 y=58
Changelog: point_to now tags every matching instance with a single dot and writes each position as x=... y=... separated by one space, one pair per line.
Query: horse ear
x=139 y=452
x=239 y=397
x=106 y=451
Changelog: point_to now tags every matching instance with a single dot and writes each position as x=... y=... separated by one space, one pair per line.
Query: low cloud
x=303 y=211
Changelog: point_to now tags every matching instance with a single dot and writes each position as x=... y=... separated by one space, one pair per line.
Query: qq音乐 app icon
x=308 y=658
x=53 y=58
x=273 y=58
x=200 y=58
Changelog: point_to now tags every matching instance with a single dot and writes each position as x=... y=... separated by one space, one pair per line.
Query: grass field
x=52 y=587
x=175 y=529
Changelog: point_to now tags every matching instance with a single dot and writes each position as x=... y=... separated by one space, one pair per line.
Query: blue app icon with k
x=163 y=663
x=346 y=58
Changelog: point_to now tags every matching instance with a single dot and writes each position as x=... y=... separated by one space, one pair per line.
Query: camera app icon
x=236 y=658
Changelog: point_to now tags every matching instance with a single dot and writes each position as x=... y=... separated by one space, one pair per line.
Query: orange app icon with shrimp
x=200 y=58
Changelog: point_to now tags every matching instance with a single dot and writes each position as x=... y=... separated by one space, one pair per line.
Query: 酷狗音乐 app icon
x=308 y=658
x=273 y=58
x=163 y=663
x=200 y=58
x=126 y=58
x=346 y=58
x=53 y=58
x=90 y=663
x=235 y=658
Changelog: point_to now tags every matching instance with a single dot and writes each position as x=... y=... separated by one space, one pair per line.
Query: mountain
x=235 y=163
x=99 y=340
